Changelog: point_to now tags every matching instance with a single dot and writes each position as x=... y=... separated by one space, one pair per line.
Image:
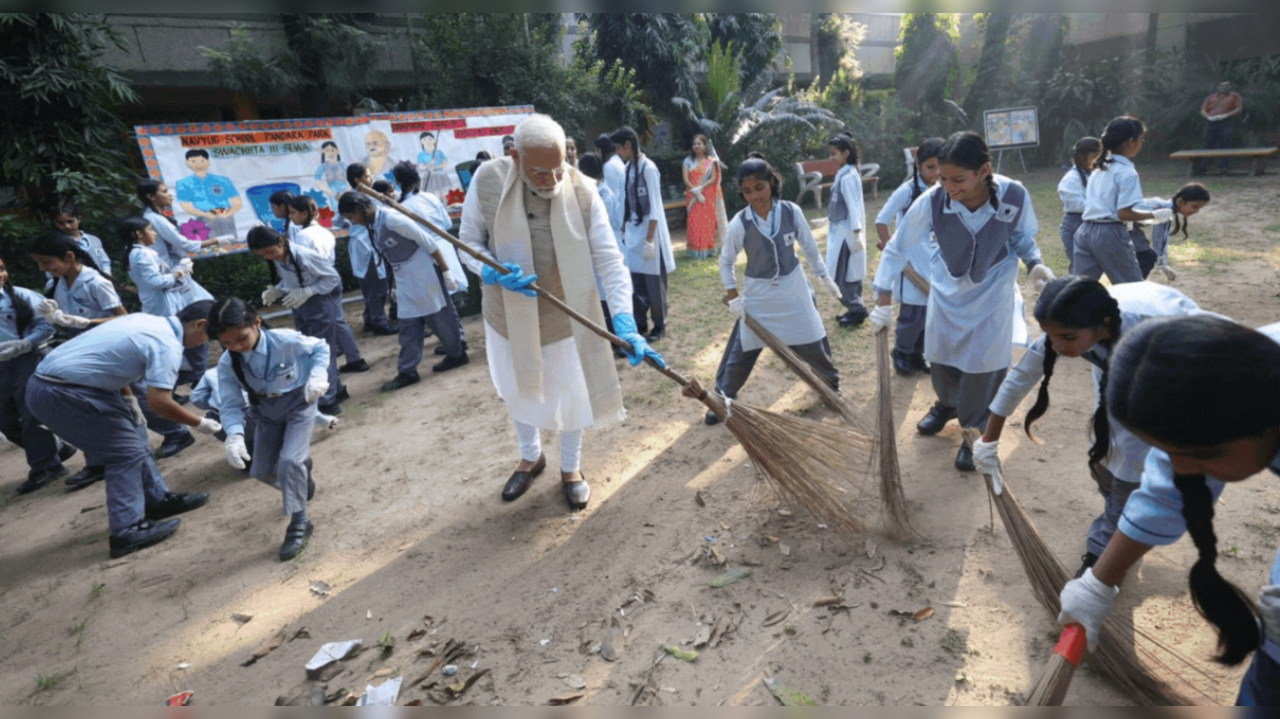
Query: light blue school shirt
x=1153 y=515
x=119 y=353
x=38 y=331
x=896 y=206
x=92 y=296
x=1112 y=190
x=1071 y=190
x=207 y=193
x=613 y=206
x=317 y=272
x=418 y=290
x=159 y=291
x=615 y=176
x=94 y=247
x=170 y=244
x=283 y=361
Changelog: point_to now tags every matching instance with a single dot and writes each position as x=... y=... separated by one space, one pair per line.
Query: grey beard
x=546 y=193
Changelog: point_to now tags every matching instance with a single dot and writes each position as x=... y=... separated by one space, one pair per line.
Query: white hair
x=539 y=131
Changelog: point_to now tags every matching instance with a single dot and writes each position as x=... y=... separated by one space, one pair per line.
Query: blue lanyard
x=268 y=376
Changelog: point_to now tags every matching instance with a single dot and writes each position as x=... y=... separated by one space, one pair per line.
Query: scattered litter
x=704 y=637
x=383 y=696
x=919 y=616
x=300 y=634
x=785 y=549
x=183 y=667
x=564 y=701
x=730 y=577
x=86 y=510
x=955 y=605
x=871 y=548
x=180 y=700
x=699 y=499
x=265 y=649
x=679 y=653
x=383 y=673
x=321 y=588
x=710 y=540
x=787 y=696
x=575 y=682
x=545 y=642
x=609 y=645
x=776 y=618
x=368 y=614
x=450 y=670
x=474 y=665
x=827 y=602
x=670 y=690
x=241 y=619
x=331 y=654
x=784 y=513
x=417 y=634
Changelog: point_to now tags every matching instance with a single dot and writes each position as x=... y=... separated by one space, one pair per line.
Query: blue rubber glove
x=515 y=280
x=625 y=327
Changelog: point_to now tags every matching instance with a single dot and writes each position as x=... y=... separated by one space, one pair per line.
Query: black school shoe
x=577 y=494
x=142 y=535
x=401 y=381
x=657 y=334
x=936 y=420
x=39 y=479
x=357 y=366
x=333 y=410
x=902 y=364
x=296 y=538
x=920 y=363
x=342 y=396
x=440 y=350
x=175 y=503
x=66 y=452
x=451 y=363
x=964 y=459
x=383 y=331
x=171 y=447
x=84 y=478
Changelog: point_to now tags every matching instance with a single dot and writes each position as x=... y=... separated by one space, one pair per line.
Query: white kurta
x=634 y=235
x=431 y=208
x=848 y=185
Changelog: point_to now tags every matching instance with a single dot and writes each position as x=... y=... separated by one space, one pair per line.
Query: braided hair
x=129 y=229
x=1080 y=153
x=57 y=244
x=23 y=313
x=261 y=238
x=1119 y=131
x=623 y=136
x=1168 y=384
x=304 y=203
x=407 y=177
x=927 y=150
x=967 y=150
x=231 y=313
x=1190 y=192
x=1078 y=303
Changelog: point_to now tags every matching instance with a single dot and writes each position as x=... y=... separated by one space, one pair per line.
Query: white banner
x=222 y=174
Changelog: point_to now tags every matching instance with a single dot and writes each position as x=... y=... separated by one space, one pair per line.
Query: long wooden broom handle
x=556 y=301
x=916 y=279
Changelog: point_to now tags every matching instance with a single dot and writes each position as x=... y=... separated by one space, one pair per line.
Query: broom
x=796 y=456
x=1053 y=685
x=1113 y=659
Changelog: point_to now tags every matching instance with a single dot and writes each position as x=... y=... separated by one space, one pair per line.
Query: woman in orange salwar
x=702 y=198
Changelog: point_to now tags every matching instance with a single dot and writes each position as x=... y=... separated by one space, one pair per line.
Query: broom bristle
x=893 y=501
x=1052 y=688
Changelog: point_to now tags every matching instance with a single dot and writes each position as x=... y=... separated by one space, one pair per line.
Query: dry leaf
x=955 y=605
x=321 y=588
x=828 y=602
x=704 y=636
x=266 y=649
x=573 y=681
x=776 y=618
x=564 y=701
x=786 y=550
x=923 y=614
x=701 y=502
x=417 y=634
x=241 y=619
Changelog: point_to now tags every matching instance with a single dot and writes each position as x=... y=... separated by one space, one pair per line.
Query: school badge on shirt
x=1007 y=212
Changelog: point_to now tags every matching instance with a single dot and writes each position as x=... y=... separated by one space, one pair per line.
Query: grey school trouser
x=282 y=445
x=909 y=338
x=374 y=289
x=1116 y=492
x=101 y=424
x=347 y=346
x=444 y=324
x=19 y=425
x=969 y=394
x=649 y=298
x=1071 y=222
x=318 y=318
x=850 y=292
x=1105 y=248
x=736 y=364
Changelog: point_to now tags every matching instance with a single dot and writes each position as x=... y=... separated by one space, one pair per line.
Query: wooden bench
x=818 y=175
x=1259 y=155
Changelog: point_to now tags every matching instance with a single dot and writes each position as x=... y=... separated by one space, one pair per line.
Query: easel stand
x=1000 y=159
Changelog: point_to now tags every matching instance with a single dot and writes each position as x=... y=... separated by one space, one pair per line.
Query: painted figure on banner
x=211 y=197
x=331 y=175
x=379 y=160
x=433 y=165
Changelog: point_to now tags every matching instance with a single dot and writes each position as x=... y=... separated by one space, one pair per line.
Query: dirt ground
x=418 y=548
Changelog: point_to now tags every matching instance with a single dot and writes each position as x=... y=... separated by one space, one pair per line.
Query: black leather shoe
x=37 y=480
x=1087 y=562
x=342 y=396
x=711 y=419
x=66 y=452
x=175 y=504
x=401 y=381
x=576 y=495
x=936 y=420
x=295 y=539
x=171 y=447
x=520 y=481
x=348 y=368
x=440 y=350
x=964 y=459
x=449 y=363
x=85 y=477
x=333 y=410
x=656 y=335
x=142 y=535
x=383 y=331
x=918 y=361
x=902 y=364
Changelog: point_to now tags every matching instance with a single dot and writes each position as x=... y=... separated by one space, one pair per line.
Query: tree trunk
x=986 y=85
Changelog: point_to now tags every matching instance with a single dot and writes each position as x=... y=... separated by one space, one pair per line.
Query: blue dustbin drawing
x=260 y=198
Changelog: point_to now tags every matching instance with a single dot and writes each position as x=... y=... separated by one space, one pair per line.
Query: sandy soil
x=418 y=548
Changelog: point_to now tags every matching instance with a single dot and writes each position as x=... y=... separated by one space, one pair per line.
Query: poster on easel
x=222 y=174
x=1012 y=128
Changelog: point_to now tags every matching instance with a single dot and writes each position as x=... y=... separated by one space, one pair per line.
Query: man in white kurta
x=544 y=221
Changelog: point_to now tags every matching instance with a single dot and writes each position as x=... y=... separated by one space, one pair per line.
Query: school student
x=309 y=287
x=615 y=174
x=23 y=336
x=302 y=215
x=1082 y=318
x=1072 y=189
x=846 y=239
x=592 y=166
x=775 y=291
x=206 y=396
x=908 y=346
x=977 y=225
x=279 y=202
x=274 y=378
x=1210 y=429
x=420 y=290
x=67 y=220
x=1187 y=201
x=367 y=265
x=1103 y=244
x=646 y=241
x=81 y=392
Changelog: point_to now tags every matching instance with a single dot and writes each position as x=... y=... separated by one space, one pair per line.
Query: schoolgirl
x=302 y=215
x=1210 y=429
x=908 y=349
x=23 y=336
x=977 y=226
x=367 y=265
x=67 y=221
x=207 y=397
x=846 y=239
x=646 y=241
x=311 y=288
x=1072 y=188
x=410 y=250
x=274 y=378
x=1082 y=318
x=279 y=202
x=1187 y=201
x=775 y=291
x=1103 y=244
x=615 y=175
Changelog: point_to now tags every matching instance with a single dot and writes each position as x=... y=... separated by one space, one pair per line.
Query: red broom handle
x=1072 y=644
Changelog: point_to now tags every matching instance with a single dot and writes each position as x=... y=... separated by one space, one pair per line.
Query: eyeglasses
x=539 y=174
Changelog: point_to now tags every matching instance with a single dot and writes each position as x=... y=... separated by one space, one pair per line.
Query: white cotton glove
x=450 y=284
x=295 y=298
x=324 y=420
x=75 y=322
x=881 y=318
x=237 y=453
x=1162 y=215
x=1169 y=274
x=649 y=251
x=208 y=426
x=187 y=265
x=14 y=348
x=986 y=457
x=46 y=310
x=271 y=295
x=226 y=240
x=179 y=272
x=1041 y=275
x=737 y=307
x=856 y=242
x=316 y=387
x=830 y=285
x=1087 y=602
x=138 y=417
